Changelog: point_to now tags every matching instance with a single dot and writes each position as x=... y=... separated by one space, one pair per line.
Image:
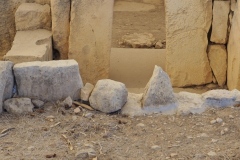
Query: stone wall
x=7 y=22
x=198 y=49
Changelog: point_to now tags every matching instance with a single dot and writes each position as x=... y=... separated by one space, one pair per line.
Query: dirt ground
x=129 y=22
x=116 y=137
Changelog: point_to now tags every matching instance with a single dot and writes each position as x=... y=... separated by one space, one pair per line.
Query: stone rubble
x=139 y=40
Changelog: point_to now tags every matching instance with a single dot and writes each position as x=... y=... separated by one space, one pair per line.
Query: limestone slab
x=31 y=16
x=90 y=37
x=187 y=26
x=29 y=46
x=6 y=81
x=86 y=91
x=108 y=96
x=218 y=61
x=221 y=11
x=48 y=81
x=60 y=10
x=233 y=72
x=133 y=107
x=187 y=63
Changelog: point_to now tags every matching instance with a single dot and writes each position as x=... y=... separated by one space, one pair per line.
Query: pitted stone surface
x=6 y=82
x=159 y=91
x=108 y=96
x=48 y=81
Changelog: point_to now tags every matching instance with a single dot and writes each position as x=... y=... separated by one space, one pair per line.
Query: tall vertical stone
x=221 y=11
x=90 y=37
x=60 y=26
x=187 y=26
x=233 y=73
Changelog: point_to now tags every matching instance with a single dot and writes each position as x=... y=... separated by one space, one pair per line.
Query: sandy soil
x=129 y=22
x=116 y=137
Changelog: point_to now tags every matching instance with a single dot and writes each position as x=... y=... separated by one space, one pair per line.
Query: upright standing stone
x=188 y=23
x=90 y=37
x=218 y=61
x=221 y=11
x=60 y=26
x=6 y=81
x=233 y=73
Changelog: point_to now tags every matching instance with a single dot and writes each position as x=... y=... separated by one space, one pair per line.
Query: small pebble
x=211 y=153
x=74 y=118
x=77 y=110
x=219 y=120
x=155 y=147
x=231 y=116
x=214 y=140
x=213 y=121
x=172 y=155
x=140 y=125
x=88 y=115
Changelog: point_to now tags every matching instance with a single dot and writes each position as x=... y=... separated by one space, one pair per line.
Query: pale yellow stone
x=60 y=10
x=217 y=55
x=90 y=37
x=187 y=26
x=220 y=21
x=233 y=73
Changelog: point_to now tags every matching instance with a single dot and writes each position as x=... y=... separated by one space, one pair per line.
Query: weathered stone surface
x=221 y=10
x=87 y=43
x=31 y=46
x=38 y=103
x=48 y=81
x=6 y=81
x=86 y=91
x=7 y=24
x=39 y=1
x=159 y=45
x=159 y=91
x=108 y=96
x=187 y=24
x=31 y=16
x=217 y=55
x=18 y=105
x=137 y=40
x=219 y=98
x=233 y=72
x=190 y=103
x=60 y=10
x=233 y=5
x=133 y=107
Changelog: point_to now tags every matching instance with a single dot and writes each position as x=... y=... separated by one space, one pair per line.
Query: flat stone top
x=52 y=64
x=26 y=7
x=29 y=43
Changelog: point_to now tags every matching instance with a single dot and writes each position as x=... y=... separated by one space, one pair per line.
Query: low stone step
x=31 y=46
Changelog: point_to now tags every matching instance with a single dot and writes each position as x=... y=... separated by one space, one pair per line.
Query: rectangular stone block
x=48 y=81
x=31 y=16
x=221 y=11
x=29 y=46
x=233 y=71
x=90 y=37
x=187 y=26
x=6 y=81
